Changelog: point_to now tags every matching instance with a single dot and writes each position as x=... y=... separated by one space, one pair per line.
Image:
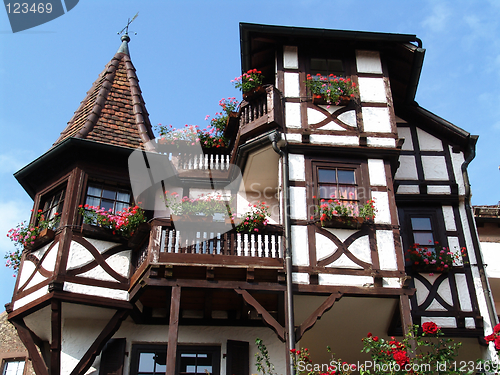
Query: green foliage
x=249 y=80
x=428 y=353
x=255 y=219
x=331 y=88
x=262 y=360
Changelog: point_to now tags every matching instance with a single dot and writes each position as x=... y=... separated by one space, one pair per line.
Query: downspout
x=275 y=137
x=472 y=225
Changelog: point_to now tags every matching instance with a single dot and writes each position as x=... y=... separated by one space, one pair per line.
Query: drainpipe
x=275 y=137
x=477 y=250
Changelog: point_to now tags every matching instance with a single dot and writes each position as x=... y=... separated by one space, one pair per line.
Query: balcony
x=169 y=247
x=260 y=114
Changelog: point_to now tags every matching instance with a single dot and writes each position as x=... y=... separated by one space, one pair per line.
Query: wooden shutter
x=112 y=357
x=237 y=360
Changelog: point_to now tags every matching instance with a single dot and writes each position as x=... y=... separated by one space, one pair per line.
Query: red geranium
x=430 y=328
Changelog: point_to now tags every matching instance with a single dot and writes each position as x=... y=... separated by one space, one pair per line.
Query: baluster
x=232 y=244
x=223 y=244
x=249 y=244
x=262 y=243
x=240 y=247
x=270 y=240
x=213 y=247
x=255 y=239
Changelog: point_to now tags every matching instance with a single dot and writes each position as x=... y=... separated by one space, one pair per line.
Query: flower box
x=425 y=268
x=254 y=93
x=347 y=222
x=46 y=235
x=319 y=99
x=191 y=218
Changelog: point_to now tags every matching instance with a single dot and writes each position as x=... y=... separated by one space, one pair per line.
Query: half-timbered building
x=169 y=301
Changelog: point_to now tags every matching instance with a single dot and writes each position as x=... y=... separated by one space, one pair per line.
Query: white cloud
x=12 y=162
x=13 y=213
x=438 y=17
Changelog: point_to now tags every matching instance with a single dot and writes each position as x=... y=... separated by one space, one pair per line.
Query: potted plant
x=250 y=83
x=434 y=258
x=331 y=89
x=335 y=213
x=254 y=220
x=30 y=236
x=200 y=209
x=122 y=223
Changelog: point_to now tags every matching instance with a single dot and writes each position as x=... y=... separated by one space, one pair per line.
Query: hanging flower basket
x=347 y=222
x=46 y=235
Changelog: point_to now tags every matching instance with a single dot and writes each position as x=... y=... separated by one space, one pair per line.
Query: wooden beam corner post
x=101 y=340
x=405 y=309
x=316 y=315
x=27 y=339
x=173 y=329
x=55 y=344
x=268 y=318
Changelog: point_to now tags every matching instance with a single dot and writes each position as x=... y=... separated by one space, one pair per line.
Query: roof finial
x=125 y=38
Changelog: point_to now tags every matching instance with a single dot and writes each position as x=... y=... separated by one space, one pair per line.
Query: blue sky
x=186 y=52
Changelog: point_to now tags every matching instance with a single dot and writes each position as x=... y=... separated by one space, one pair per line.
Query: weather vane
x=128 y=23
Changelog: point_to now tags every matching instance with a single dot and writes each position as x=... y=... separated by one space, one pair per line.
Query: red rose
x=497 y=343
x=490 y=337
x=496 y=329
x=430 y=328
x=369 y=334
x=375 y=338
x=401 y=358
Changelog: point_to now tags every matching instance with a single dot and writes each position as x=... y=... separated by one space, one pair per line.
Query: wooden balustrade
x=262 y=245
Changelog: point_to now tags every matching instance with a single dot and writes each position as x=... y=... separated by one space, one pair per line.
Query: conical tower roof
x=113 y=111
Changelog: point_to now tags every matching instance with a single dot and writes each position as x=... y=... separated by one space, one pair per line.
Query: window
x=326 y=67
x=53 y=204
x=108 y=198
x=422 y=231
x=151 y=360
x=340 y=184
x=13 y=367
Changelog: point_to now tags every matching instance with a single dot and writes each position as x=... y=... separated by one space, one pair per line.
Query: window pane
x=328 y=191
x=121 y=206
x=346 y=177
x=109 y=194
x=421 y=223
x=319 y=66
x=107 y=205
x=94 y=191
x=327 y=175
x=13 y=368
x=423 y=238
x=347 y=192
x=123 y=197
x=91 y=201
x=146 y=362
x=335 y=67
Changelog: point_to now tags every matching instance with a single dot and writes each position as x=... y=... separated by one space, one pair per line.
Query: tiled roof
x=113 y=111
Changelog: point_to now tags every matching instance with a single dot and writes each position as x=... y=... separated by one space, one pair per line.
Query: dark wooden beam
x=101 y=340
x=26 y=337
x=275 y=326
x=316 y=315
x=405 y=309
x=55 y=344
x=173 y=329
